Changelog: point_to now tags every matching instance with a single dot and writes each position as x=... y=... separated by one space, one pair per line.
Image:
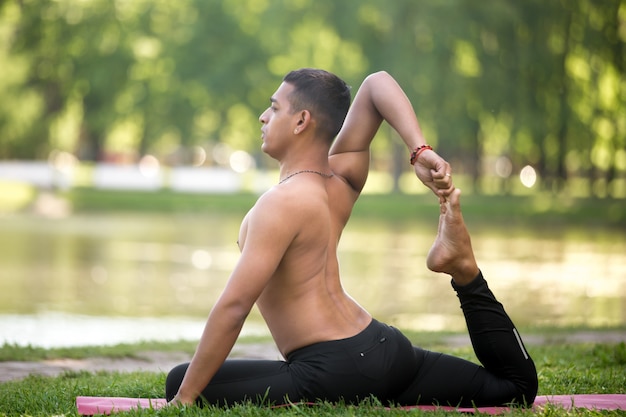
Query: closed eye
x=272 y=104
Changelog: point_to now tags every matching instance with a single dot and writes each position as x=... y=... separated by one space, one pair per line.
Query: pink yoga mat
x=88 y=406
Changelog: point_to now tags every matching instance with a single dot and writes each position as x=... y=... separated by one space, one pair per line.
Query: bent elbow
x=234 y=313
x=382 y=74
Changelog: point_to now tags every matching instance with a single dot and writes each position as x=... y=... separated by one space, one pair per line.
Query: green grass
x=11 y=352
x=89 y=199
x=543 y=209
x=562 y=369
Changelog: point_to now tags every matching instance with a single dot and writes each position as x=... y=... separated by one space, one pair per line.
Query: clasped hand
x=435 y=173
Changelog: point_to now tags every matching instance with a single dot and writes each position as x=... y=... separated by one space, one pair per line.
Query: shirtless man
x=334 y=349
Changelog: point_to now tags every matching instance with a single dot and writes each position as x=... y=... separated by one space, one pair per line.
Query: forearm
x=219 y=336
x=393 y=106
x=379 y=99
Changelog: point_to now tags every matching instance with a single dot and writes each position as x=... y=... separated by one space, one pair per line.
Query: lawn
x=563 y=369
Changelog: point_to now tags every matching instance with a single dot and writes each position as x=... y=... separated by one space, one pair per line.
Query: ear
x=302 y=121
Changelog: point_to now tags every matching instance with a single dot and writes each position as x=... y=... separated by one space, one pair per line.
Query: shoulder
x=282 y=214
x=287 y=204
x=287 y=196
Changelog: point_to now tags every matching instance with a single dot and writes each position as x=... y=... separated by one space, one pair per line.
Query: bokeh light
x=528 y=176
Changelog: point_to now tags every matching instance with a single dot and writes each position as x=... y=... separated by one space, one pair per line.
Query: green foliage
x=497 y=85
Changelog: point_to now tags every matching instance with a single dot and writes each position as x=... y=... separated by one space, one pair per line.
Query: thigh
x=242 y=380
x=447 y=380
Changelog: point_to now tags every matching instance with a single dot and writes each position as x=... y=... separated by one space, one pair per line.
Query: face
x=278 y=122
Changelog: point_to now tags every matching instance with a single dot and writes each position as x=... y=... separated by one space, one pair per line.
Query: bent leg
x=497 y=344
x=241 y=380
x=509 y=374
x=448 y=380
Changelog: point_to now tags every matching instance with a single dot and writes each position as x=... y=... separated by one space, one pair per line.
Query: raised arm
x=381 y=98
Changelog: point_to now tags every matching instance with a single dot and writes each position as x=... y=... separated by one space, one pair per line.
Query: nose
x=263 y=118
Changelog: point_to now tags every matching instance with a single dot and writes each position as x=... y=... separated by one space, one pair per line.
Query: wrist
x=184 y=396
x=417 y=151
x=183 y=400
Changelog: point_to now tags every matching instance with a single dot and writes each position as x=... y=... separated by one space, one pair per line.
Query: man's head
x=323 y=94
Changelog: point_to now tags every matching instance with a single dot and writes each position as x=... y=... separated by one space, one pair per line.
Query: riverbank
x=480 y=209
x=497 y=210
x=162 y=357
x=141 y=361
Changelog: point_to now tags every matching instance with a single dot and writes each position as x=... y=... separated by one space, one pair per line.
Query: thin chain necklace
x=304 y=171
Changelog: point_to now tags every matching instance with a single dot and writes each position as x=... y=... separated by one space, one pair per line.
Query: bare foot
x=451 y=252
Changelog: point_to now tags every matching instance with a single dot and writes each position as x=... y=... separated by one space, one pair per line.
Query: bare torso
x=304 y=301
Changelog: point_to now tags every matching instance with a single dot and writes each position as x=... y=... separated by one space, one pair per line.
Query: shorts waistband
x=365 y=336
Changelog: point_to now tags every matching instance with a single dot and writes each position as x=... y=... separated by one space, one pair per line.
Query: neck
x=306 y=171
x=307 y=164
x=312 y=161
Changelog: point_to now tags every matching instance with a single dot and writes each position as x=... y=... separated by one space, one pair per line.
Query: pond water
x=111 y=278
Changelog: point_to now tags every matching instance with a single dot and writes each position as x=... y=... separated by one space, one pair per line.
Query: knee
x=530 y=391
x=528 y=387
x=173 y=380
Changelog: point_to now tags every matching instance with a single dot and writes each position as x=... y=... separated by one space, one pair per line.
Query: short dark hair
x=323 y=94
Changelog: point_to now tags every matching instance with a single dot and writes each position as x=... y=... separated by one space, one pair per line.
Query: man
x=333 y=347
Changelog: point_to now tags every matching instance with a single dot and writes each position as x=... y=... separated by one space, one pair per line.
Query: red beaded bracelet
x=417 y=151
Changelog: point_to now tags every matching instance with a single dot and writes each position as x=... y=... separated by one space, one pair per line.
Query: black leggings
x=508 y=374
x=381 y=362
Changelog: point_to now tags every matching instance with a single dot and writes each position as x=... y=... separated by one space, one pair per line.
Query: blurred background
x=129 y=151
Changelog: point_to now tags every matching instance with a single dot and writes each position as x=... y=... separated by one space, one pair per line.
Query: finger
x=441 y=173
x=441 y=169
x=441 y=192
x=445 y=181
x=445 y=192
x=438 y=173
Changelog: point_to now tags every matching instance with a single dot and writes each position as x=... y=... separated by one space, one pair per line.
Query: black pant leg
x=379 y=361
x=241 y=380
x=448 y=380
x=508 y=374
x=497 y=343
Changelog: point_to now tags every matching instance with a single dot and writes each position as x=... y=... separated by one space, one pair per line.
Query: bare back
x=303 y=301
